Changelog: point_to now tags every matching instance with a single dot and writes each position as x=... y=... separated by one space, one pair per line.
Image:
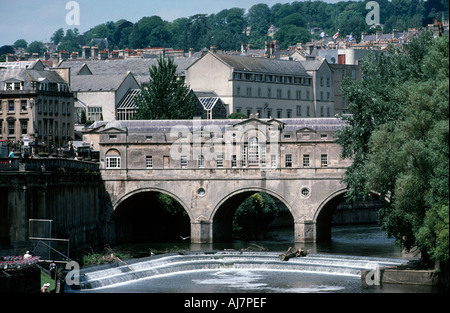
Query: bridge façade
x=208 y=166
x=211 y=166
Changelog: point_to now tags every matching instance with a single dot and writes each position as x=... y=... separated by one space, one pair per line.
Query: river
x=363 y=240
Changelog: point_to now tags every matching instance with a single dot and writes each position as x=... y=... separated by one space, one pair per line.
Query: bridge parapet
x=47 y=164
x=224 y=173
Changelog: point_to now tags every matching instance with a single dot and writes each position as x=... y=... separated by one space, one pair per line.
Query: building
x=224 y=144
x=106 y=89
x=271 y=88
x=36 y=105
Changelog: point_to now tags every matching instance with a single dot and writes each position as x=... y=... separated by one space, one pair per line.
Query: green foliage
x=165 y=96
x=397 y=137
x=237 y=115
x=254 y=215
x=225 y=29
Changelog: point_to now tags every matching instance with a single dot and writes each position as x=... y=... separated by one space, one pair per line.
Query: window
x=279 y=93
x=306 y=160
x=201 y=161
x=149 y=162
x=299 y=94
x=273 y=161
x=24 y=127
x=253 y=152
x=23 y=105
x=263 y=155
x=11 y=105
x=288 y=160
x=219 y=160
x=249 y=92
x=94 y=114
x=288 y=113
x=307 y=111
x=11 y=128
x=112 y=162
x=233 y=161
x=243 y=156
x=279 y=112
x=324 y=160
x=299 y=110
x=183 y=161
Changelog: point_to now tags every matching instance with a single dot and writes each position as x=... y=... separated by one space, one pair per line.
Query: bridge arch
x=138 y=216
x=323 y=215
x=224 y=210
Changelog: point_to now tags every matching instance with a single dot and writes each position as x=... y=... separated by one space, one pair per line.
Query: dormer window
x=13 y=85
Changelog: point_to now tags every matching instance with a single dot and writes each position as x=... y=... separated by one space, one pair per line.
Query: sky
x=38 y=20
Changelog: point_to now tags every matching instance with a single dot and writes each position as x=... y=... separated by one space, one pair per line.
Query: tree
x=254 y=215
x=36 y=47
x=165 y=96
x=398 y=138
x=20 y=43
x=57 y=36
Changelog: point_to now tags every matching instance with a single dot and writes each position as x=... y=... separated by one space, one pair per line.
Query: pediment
x=306 y=130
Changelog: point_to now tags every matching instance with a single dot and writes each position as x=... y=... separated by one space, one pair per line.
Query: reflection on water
x=362 y=240
x=347 y=240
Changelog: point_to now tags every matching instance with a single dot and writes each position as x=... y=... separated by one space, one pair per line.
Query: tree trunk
x=291 y=253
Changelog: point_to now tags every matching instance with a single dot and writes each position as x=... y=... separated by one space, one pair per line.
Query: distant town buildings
x=43 y=97
x=36 y=106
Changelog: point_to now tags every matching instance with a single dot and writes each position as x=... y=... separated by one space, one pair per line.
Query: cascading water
x=157 y=266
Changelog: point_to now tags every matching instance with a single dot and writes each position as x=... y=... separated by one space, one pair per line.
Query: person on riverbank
x=44 y=288
x=27 y=255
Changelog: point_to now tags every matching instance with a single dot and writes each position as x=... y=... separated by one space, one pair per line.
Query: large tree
x=397 y=137
x=254 y=215
x=165 y=96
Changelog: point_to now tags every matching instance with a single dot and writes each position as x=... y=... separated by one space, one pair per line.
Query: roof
x=108 y=82
x=30 y=75
x=139 y=67
x=159 y=126
x=262 y=65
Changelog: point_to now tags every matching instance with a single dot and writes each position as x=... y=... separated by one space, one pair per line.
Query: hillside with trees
x=226 y=29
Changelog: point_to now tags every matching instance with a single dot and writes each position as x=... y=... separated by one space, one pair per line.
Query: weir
x=113 y=274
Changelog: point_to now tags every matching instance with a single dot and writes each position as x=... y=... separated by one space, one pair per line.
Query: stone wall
x=25 y=280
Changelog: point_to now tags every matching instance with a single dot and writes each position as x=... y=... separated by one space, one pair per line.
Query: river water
x=365 y=240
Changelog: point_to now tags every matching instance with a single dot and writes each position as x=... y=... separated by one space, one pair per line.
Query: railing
x=47 y=164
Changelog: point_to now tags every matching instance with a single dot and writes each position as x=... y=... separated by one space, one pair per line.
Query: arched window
x=113 y=159
x=253 y=152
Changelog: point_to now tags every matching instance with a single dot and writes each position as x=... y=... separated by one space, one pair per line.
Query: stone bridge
x=210 y=167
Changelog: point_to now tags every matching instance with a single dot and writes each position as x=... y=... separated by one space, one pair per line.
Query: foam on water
x=231 y=268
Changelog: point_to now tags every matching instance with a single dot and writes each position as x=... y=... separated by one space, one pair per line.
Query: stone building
x=269 y=87
x=226 y=143
x=36 y=104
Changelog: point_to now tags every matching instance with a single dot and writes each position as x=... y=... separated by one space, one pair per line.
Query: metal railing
x=47 y=164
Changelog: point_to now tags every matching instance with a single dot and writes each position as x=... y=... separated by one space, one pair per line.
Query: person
x=44 y=288
x=27 y=255
x=52 y=269
x=11 y=154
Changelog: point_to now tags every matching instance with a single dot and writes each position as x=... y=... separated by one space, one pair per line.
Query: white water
x=224 y=263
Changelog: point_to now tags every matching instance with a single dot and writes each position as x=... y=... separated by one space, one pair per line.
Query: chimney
x=94 y=52
x=191 y=52
x=86 y=52
x=213 y=49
